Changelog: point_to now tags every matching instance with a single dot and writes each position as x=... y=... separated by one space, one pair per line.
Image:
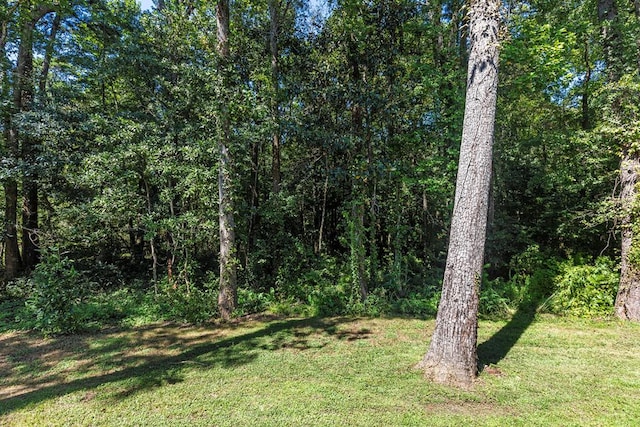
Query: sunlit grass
x=320 y=372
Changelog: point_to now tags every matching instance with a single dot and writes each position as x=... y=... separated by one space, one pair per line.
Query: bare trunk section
x=452 y=355
x=608 y=16
x=228 y=296
x=627 y=305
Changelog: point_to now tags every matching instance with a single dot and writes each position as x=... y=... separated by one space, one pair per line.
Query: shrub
x=418 y=305
x=328 y=300
x=494 y=298
x=58 y=292
x=190 y=304
x=250 y=301
x=585 y=290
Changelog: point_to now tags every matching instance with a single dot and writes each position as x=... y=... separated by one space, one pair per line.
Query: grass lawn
x=320 y=372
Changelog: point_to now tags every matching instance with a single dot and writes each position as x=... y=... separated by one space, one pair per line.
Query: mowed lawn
x=320 y=372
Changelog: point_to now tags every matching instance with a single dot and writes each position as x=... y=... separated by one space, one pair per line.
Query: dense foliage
x=112 y=116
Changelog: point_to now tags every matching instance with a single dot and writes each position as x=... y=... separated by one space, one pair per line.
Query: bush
x=496 y=298
x=58 y=293
x=531 y=280
x=250 y=301
x=418 y=305
x=188 y=304
x=328 y=300
x=585 y=290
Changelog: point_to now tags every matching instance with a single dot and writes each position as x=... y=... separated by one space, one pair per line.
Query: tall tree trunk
x=30 y=239
x=359 y=188
x=627 y=305
x=357 y=235
x=452 y=355
x=23 y=89
x=274 y=14
x=585 y=87
x=636 y=6
x=608 y=16
x=254 y=201
x=4 y=93
x=48 y=55
x=323 y=212
x=22 y=96
x=12 y=260
x=228 y=296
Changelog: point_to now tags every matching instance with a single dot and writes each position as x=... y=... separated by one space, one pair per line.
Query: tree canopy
x=326 y=137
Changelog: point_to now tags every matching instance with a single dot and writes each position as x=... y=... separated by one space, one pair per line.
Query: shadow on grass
x=144 y=371
x=498 y=346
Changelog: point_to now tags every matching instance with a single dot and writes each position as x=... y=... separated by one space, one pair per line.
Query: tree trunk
x=10 y=189
x=254 y=201
x=452 y=355
x=358 y=258
x=359 y=189
x=22 y=96
x=627 y=305
x=29 y=183
x=12 y=260
x=636 y=6
x=608 y=15
x=46 y=64
x=274 y=14
x=22 y=99
x=323 y=213
x=228 y=296
x=585 y=88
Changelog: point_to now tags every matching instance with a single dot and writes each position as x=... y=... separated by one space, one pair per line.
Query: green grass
x=320 y=372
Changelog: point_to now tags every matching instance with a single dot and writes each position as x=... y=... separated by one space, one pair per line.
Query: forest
x=201 y=160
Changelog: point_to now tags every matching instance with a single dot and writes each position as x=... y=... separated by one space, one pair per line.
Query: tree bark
x=452 y=355
x=228 y=296
x=627 y=304
x=608 y=16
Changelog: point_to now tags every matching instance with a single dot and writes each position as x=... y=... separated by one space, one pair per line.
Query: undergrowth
x=61 y=297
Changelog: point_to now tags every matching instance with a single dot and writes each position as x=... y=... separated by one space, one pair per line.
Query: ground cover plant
x=536 y=370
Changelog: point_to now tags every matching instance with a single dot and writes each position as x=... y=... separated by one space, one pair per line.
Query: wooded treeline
x=243 y=155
